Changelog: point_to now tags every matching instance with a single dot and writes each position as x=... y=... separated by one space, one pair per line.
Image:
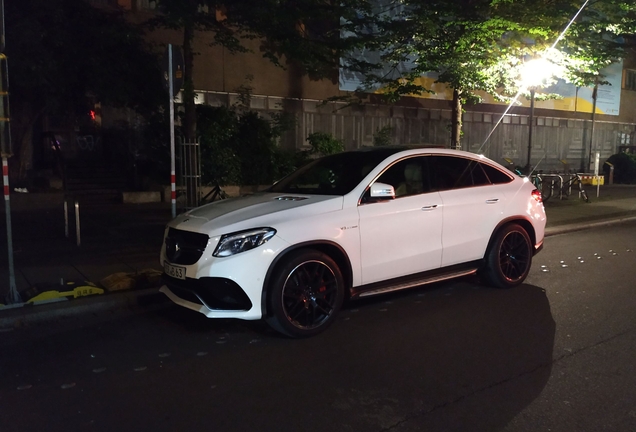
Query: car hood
x=252 y=211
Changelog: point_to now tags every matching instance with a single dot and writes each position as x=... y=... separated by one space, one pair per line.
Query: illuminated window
x=624 y=138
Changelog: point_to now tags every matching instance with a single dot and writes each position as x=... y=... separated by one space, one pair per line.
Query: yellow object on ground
x=80 y=291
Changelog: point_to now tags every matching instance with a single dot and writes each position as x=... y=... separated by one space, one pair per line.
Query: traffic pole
x=5 y=149
x=13 y=296
x=173 y=189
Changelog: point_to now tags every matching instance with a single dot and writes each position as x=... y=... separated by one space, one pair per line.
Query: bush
x=240 y=147
x=624 y=168
x=323 y=144
x=216 y=127
x=254 y=144
x=382 y=136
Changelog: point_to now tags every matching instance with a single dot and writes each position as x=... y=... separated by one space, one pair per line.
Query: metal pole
x=597 y=160
x=173 y=189
x=594 y=96
x=77 y=223
x=14 y=296
x=5 y=145
x=199 y=193
x=65 y=218
x=530 y=124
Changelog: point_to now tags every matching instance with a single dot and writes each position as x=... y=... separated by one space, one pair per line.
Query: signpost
x=173 y=76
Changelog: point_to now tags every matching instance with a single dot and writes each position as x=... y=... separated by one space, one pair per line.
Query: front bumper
x=229 y=287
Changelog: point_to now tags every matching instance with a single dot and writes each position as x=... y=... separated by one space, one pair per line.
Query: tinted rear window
x=495 y=175
x=457 y=172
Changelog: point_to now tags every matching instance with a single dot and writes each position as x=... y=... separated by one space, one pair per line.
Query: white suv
x=351 y=225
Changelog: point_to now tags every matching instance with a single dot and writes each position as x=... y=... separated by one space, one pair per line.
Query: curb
x=151 y=298
x=29 y=315
x=568 y=228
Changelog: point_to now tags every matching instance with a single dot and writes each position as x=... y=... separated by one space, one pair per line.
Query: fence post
x=65 y=217
x=77 y=222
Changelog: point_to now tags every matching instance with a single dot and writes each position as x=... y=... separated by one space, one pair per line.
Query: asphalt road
x=556 y=354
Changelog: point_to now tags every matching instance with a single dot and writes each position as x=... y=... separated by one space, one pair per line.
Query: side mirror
x=382 y=191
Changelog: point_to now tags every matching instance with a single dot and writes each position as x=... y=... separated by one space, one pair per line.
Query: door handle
x=492 y=201
x=429 y=207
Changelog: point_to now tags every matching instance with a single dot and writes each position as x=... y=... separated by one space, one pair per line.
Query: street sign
x=177 y=69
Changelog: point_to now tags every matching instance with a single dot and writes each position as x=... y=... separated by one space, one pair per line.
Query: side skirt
x=417 y=279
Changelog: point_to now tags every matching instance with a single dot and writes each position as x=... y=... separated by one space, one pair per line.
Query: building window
x=630 y=79
x=624 y=138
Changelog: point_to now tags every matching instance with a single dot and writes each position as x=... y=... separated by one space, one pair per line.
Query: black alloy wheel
x=306 y=294
x=509 y=258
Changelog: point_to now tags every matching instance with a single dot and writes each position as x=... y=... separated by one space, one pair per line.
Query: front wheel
x=509 y=257
x=306 y=294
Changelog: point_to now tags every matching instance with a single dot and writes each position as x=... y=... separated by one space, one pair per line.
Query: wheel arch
x=334 y=250
x=523 y=222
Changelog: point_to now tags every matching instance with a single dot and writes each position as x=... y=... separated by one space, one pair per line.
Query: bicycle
x=214 y=194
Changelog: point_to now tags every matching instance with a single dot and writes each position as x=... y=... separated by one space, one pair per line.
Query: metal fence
x=189 y=174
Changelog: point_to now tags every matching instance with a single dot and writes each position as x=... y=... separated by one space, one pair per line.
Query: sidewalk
x=126 y=238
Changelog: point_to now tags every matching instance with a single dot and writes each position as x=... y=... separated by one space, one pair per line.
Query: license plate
x=174 y=271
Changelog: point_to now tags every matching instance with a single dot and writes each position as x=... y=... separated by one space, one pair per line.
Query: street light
x=535 y=74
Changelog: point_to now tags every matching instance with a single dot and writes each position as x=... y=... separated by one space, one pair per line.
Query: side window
x=455 y=172
x=495 y=175
x=408 y=177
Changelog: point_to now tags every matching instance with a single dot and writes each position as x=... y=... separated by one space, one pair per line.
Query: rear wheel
x=306 y=294
x=509 y=258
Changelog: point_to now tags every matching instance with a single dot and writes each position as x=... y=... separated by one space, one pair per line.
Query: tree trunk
x=190 y=120
x=456 y=121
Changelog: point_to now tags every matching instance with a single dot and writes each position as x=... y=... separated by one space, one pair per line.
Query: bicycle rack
x=549 y=183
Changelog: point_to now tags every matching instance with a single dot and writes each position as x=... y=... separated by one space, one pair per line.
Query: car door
x=473 y=206
x=401 y=236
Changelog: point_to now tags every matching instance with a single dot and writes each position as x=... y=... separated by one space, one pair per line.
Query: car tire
x=509 y=257
x=305 y=295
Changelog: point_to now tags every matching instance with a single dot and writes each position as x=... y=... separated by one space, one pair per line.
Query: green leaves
x=471 y=44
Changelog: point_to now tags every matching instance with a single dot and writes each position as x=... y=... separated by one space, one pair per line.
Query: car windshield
x=336 y=174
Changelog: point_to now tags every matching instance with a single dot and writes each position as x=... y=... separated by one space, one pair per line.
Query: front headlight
x=231 y=244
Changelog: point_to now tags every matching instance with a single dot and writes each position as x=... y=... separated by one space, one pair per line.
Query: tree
x=600 y=36
x=191 y=16
x=302 y=32
x=63 y=53
x=477 y=45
